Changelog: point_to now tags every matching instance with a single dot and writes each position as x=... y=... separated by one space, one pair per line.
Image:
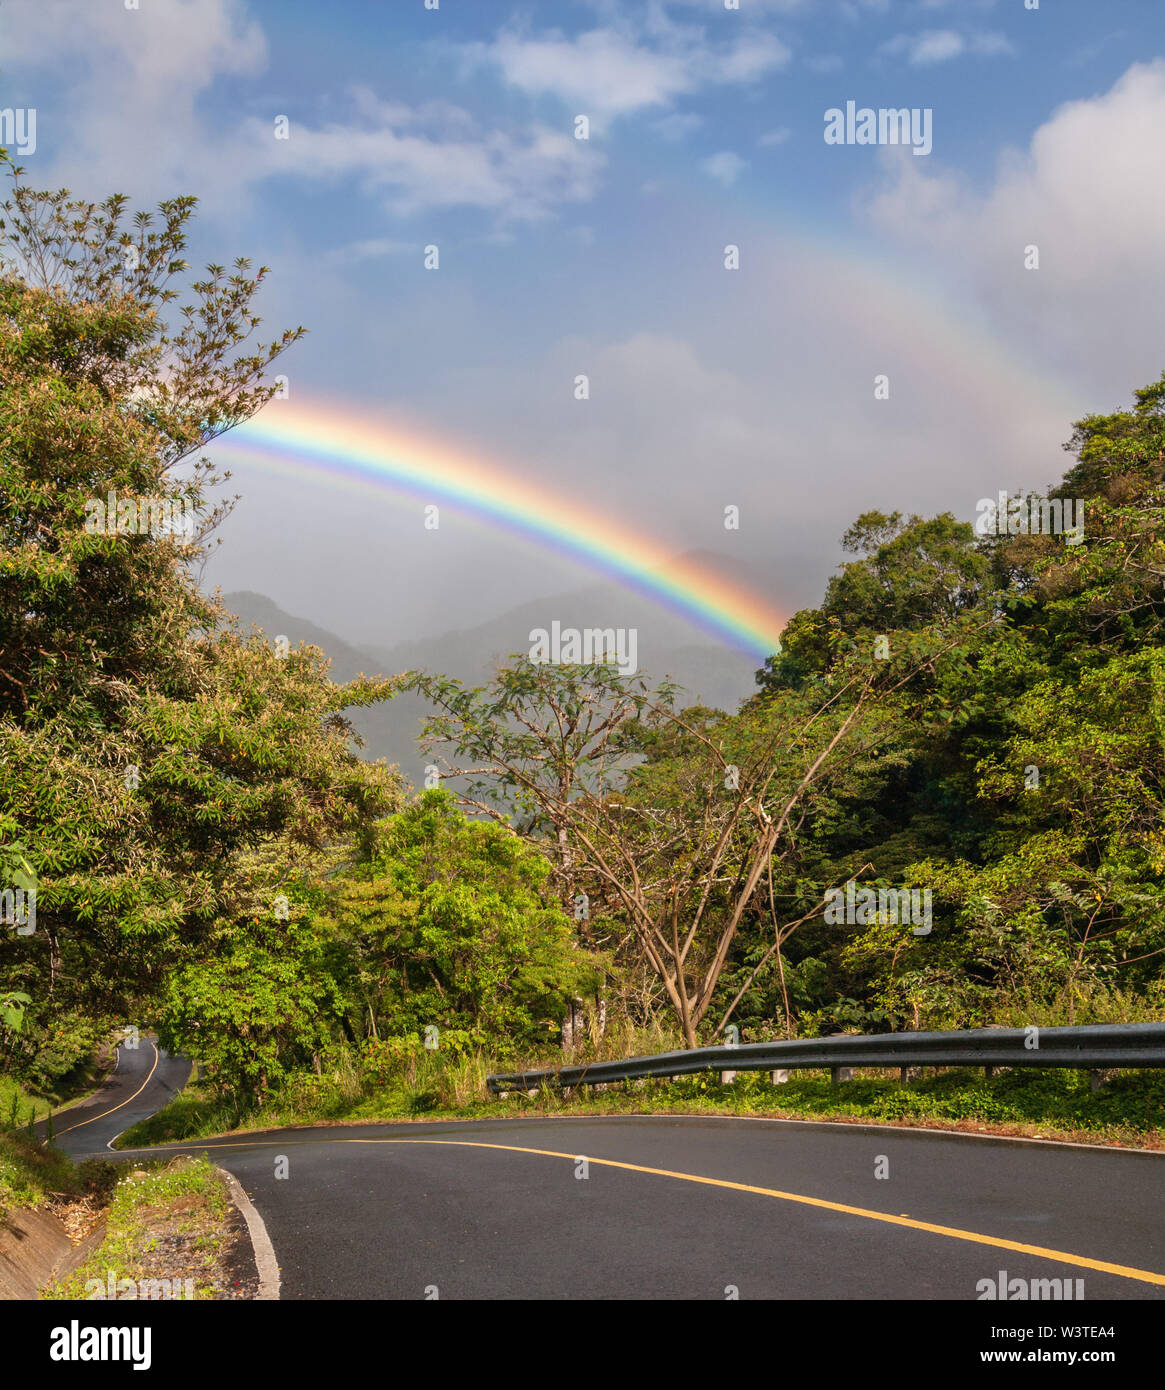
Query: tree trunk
x=573 y=1025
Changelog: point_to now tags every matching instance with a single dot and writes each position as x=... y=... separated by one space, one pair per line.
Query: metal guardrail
x=1093 y=1048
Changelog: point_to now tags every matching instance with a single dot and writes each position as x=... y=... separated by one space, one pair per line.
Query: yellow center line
x=112 y=1108
x=1146 y=1276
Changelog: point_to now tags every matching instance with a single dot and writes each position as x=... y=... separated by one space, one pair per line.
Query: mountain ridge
x=709 y=673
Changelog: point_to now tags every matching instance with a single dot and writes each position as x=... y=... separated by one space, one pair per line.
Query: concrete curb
x=265 y=1259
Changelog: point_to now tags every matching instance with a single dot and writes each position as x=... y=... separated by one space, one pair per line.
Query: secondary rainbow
x=323 y=440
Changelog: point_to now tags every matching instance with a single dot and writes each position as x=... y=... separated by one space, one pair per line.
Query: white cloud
x=614 y=71
x=990 y=45
x=601 y=70
x=936 y=46
x=748 y=59
x=372 y=249
x=436 y=156
x=1090 y=193
x=134 y=88
x=775 y=137
x=167 y=51
x=933 y=46
x=676 y=124
x=723 y=396
x=941 y=45
x=724 y=166
x=136 y=107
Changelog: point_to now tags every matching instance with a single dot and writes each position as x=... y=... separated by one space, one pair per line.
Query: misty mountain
x=710 y=673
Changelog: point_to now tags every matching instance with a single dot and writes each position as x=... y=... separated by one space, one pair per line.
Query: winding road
x=671 y=1207
x=145 y=1079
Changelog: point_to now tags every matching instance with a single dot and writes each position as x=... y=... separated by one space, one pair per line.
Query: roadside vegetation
x=171 y=1232
x=33 y=1176
x=1128 y=1110
x=975 y=718
x=169 y=1228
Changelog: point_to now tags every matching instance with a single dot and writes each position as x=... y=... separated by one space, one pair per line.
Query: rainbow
x=336 y=444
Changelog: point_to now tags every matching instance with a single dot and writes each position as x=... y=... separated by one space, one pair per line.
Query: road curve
x=672 y=1207
x=145 y=1079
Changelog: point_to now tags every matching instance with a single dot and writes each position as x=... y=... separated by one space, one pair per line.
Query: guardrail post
x=989 y=1072
x=780 y=1076
x=726 y=1077
x=1097 y=1078
x=841 y=1074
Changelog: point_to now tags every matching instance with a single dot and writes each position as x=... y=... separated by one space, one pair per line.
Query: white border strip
x=879 y=1126
x=265 y=1259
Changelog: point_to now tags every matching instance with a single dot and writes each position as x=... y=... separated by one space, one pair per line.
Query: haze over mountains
x=711 y=673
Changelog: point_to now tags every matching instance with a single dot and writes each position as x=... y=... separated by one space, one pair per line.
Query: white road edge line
x=265 y=1259
x=880 y=1127
x=242 y=1135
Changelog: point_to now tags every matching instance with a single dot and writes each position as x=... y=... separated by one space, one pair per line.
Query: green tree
x=912 y=572
x=259 y=1004
x=149 y=749
x=448 y=925
x=1035 y=812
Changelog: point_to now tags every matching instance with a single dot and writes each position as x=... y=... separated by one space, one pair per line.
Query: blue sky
x=558 y=256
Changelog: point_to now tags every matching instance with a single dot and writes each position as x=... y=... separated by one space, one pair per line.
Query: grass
x=32 y=1176
x=18 y=1105
x=166 y=1223
x=1060 y=1104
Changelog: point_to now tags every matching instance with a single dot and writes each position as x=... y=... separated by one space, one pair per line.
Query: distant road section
x=145 y=1080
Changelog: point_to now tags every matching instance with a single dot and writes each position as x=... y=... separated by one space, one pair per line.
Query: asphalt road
x=669 y=1207
x=145 y=1080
